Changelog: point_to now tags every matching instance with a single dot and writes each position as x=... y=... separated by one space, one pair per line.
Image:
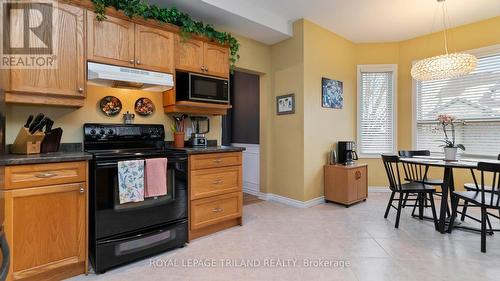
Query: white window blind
x=474 y=99
x=376 y=110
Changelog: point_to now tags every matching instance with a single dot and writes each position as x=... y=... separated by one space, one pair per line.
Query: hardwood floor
x=250 y=199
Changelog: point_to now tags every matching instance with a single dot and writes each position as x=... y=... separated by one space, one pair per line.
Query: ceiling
x=360 y=21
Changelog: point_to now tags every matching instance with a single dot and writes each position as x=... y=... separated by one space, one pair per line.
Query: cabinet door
x=362 y=182
x=46 y=229
x=110 y=41
x=216 y=60
x=188 y=54
x=154 y=49
x=68 y=78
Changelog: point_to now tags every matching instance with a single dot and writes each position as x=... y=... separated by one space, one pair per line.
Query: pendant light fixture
x=445 y=66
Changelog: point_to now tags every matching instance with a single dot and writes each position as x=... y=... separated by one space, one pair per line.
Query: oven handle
x=115 y=163
x=134 y=237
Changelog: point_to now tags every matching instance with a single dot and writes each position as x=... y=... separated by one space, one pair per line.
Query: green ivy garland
x=139 y=8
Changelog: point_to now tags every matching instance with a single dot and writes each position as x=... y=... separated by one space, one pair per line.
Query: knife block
x=27 y=143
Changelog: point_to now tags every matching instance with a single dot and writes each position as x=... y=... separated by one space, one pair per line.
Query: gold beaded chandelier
x=445 y=66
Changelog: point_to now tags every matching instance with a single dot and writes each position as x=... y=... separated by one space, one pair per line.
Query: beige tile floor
x=359 y=235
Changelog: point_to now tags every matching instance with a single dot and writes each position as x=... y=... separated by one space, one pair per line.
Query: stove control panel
x=117 y=132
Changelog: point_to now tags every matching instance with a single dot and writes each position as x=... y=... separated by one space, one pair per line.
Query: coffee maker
x=346 y=152
x=200 y=126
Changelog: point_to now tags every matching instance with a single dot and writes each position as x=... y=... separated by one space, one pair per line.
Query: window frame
x=378 y=68
x=478 y=52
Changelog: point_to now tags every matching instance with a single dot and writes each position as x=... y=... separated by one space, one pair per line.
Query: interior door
x=216 y=60
x=154 y=49
x=68 y=78
x=110 y=41
x=188 y=54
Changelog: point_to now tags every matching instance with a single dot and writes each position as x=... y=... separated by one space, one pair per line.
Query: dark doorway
x=241 y=124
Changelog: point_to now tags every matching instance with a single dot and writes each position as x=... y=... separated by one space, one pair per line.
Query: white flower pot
x=450 y=153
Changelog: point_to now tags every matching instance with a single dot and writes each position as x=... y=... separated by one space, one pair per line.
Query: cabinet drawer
x=215 y=160
x=210 y=182
x=35 y=175
x=209 y=211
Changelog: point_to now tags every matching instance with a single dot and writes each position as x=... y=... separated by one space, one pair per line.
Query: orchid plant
x=445 y=121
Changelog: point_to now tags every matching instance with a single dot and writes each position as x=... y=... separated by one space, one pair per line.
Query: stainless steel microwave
x=201 y=88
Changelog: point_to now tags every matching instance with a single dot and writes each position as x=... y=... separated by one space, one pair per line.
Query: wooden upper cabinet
x=68 y=77
x=216 y=60
x=188 y=54
x=202 y=57
x=110 y=41
x=154 y=49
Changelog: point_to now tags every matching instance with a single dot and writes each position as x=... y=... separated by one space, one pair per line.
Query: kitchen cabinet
x=201 y=57
x=346 y=185
x=124 y=43
x=64 y=84
x=110 y=41
x=46 y=223
x=215 y=192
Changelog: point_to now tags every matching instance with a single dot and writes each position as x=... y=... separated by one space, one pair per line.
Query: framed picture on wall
x=285 y=104
x=332 y=93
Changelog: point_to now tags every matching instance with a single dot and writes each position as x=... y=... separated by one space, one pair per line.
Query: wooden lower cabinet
x=346 y=185
x=216 y=192
x=46 y=228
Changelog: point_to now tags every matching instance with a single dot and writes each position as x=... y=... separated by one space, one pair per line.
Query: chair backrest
x=392 y=164
x=498 y=157
x=412 y=153
x=488 y=196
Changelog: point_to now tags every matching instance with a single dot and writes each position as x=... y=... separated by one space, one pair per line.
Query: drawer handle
x=217 y=160
x=358 y=175
x=45 y=175
x=217 y=210
x=218 y=181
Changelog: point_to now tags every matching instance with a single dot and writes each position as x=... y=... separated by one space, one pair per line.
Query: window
x=474 y=99
x=376 y=109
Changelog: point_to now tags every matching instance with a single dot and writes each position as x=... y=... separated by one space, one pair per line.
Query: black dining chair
x=482 y=198
x=474 y=187
x=418 y=173
x=394 y=169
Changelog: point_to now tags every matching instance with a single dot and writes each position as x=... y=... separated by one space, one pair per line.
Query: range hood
x=130 y=78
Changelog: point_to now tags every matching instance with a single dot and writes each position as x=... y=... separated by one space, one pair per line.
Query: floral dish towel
x=131 y=181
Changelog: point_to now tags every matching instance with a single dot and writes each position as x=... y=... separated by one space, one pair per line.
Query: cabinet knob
x=206 y=68
x=80 y=90
x=131 y=61
x=82 y=189
x=138 y=62
x=357 y=175
x=217 y=210
x=202 y=68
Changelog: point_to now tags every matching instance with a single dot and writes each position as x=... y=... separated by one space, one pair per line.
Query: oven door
x=206 y=88
x=109 y=217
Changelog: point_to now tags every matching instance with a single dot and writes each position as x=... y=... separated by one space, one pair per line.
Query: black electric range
x=121 y=233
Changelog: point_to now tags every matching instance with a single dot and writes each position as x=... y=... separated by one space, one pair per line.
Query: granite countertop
x=208 y=149
x=67 y=153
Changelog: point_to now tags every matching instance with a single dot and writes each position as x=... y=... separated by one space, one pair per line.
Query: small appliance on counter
x=200 y=126
x=346 y=152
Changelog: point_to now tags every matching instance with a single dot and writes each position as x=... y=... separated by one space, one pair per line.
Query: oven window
x=144 y=242
x=205 y=88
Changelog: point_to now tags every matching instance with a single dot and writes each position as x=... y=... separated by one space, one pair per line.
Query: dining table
x=448 y=185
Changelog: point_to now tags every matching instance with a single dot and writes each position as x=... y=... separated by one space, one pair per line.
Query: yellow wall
x=71 y=120
x=331 y=56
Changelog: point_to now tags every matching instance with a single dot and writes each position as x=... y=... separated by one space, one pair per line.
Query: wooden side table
x=346 y=185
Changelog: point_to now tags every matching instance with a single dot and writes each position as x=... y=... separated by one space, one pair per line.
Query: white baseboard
x=376 y=189
x=287 y=201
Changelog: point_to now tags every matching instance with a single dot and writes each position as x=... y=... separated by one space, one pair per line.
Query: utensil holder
x=27 y=143
x=179 y=139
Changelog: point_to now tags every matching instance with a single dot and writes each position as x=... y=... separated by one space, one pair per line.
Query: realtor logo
x=28 y=34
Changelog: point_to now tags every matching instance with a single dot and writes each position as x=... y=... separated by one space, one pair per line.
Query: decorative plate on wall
x=144 y=107
x=110 y=105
